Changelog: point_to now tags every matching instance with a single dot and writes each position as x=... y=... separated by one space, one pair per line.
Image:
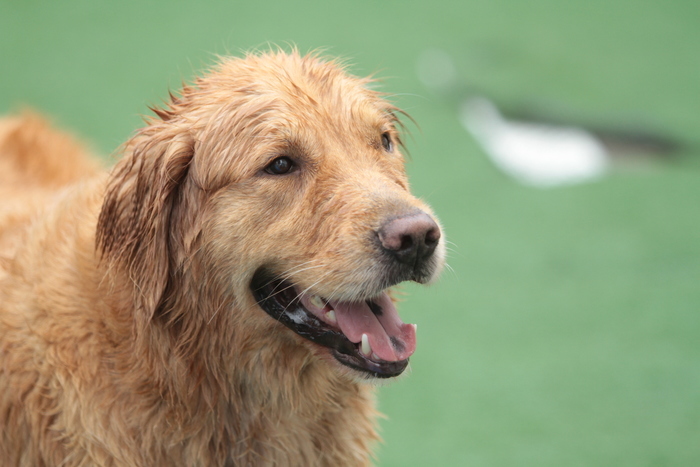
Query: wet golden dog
x=220 y=297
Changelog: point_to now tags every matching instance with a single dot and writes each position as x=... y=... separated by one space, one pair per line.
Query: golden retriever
x=220 y=297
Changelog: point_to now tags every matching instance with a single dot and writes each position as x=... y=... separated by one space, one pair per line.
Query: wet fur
x=128 y=335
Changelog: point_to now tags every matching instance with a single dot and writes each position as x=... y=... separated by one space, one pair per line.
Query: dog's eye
x=387 y=142
x=280 y=166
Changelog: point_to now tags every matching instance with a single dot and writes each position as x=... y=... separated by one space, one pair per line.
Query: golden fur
x=128 y=333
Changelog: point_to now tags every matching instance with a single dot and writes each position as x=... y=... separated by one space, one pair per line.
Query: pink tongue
x=390 y=338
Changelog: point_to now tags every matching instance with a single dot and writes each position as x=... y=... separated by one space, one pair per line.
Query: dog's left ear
x=134 y=227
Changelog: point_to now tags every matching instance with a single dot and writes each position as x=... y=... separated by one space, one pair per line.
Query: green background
x=568 y=331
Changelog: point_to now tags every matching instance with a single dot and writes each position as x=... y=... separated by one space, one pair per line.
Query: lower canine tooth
x=365 y=349
x=331 y=316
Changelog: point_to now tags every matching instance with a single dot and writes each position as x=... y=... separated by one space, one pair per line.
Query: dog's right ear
x=134 y=227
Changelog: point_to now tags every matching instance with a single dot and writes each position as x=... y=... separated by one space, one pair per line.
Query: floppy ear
x=134 y=226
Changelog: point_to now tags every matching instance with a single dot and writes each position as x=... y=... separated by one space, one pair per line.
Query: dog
x=222 y=295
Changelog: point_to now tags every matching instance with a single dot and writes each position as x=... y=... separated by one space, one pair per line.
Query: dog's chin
x=365 y=335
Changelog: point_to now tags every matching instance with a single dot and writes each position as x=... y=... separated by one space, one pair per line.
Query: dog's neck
x=250 y=388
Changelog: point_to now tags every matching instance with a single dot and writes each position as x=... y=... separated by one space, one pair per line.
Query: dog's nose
x=410 y=239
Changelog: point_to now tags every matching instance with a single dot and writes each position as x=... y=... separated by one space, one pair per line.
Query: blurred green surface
x=568 y=333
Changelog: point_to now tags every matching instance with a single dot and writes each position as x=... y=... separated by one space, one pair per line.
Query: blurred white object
x=534 y=154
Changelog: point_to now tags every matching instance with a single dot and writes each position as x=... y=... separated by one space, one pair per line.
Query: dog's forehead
x=260 y=106
x=305 y=87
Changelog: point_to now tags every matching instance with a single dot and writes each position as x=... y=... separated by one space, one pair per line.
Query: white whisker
x=215 y=313
x=312 y=285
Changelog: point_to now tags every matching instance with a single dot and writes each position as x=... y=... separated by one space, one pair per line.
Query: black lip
x=278 y=299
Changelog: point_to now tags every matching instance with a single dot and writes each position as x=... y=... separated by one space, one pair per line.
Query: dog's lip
x=344 y=338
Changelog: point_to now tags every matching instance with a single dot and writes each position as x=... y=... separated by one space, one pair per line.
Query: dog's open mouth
x=367 y=336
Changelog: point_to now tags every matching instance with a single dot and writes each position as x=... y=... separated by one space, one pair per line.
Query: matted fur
x=128 y=333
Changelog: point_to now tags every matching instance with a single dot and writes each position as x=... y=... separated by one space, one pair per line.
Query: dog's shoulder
x=33 y=151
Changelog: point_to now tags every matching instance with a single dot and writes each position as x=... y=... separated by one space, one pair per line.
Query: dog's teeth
x=365 y=349
x=316 y=301
x=415 y=327
x=375 y=357
x=331 y=316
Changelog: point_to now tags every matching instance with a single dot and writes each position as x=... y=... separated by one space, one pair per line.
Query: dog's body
x=132 y=329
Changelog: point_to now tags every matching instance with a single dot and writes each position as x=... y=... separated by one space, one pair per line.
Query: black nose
x=410 y=239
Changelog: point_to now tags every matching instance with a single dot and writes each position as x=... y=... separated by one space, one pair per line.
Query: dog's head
x=274 y=188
